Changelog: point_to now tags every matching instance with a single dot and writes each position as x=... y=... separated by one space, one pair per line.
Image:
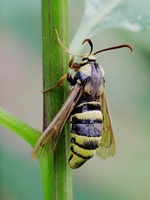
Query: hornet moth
x=86 y=105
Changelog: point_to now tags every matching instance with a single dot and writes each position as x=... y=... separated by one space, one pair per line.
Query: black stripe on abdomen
x=85 y=142
x=89 y=130
x=87 y=106
x=80 y=155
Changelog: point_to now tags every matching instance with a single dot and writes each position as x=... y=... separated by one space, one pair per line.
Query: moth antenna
x=90 y=43
x=115 y=47
x=64 y=47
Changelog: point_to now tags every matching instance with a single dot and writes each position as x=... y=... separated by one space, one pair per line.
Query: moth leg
x=70 y=79
x=71 y=62
x=67 y=76
x=60 y=81
x=72 y=65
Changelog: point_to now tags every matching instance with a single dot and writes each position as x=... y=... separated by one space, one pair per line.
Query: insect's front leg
x=72 y=65
x=67 y=76
x=59 y=83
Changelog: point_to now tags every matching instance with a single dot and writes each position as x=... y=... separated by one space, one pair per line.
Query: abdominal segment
x=85 y=132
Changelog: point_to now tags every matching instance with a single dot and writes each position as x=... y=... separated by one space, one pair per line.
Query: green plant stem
x=55 y=61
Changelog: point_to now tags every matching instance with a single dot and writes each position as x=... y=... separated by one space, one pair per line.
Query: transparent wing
x=49 y=137
x=107 y=142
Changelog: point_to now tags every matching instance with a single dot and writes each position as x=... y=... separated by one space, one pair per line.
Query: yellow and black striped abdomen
x=85 y=132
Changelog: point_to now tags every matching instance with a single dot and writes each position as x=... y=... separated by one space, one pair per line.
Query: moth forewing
x=48 y=140
x=107 y=142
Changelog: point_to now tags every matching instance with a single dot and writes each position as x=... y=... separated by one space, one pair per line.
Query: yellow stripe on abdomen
x=82 y=148
x=89 y=115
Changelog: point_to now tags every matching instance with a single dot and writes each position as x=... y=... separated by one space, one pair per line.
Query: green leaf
x=132 y=15
x=22 y=129
x=98 y=15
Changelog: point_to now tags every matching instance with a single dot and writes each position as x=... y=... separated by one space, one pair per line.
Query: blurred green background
x=125 y=176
